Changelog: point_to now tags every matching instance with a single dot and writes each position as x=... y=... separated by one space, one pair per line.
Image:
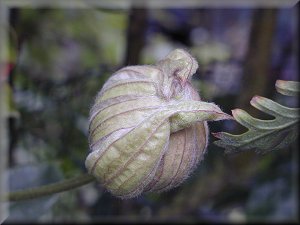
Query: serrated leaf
x=264 y=135
x=290 y=88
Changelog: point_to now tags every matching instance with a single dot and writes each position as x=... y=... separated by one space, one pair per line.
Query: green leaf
x=264 y=135
x=290 y=88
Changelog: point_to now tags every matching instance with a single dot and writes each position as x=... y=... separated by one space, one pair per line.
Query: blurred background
x=59 y=60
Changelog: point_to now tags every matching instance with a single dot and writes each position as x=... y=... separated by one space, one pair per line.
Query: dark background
x=59 y=60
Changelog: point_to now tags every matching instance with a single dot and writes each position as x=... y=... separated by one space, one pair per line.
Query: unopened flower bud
x=148 y=127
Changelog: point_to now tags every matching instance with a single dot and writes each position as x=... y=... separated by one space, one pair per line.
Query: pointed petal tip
x=222 y=116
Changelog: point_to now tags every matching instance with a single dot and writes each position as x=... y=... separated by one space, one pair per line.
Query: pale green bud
x=148 y=127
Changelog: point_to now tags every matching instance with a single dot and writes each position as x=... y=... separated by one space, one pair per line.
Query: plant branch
x=41 y=191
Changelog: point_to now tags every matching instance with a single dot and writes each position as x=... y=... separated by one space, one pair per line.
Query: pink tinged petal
x=185 y=151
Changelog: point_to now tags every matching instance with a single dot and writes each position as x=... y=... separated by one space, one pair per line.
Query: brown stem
x=135 y=35
x=257 y=63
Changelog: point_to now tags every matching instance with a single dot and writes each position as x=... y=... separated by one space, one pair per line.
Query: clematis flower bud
x=148 y=127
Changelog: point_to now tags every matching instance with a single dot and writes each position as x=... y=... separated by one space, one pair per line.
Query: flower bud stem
x=41 y=191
